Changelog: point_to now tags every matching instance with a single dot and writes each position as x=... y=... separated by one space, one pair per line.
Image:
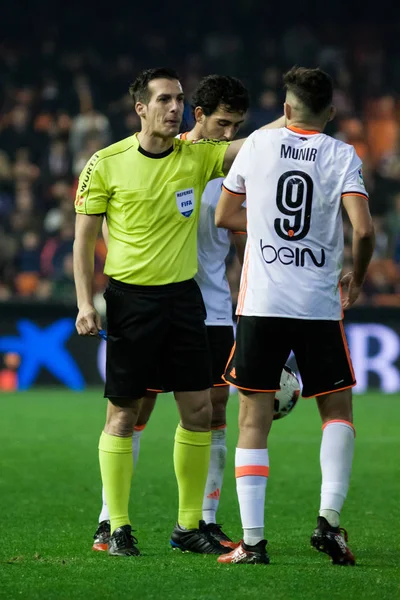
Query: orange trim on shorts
x=233 y=193
x=220 y=384
x=252 y=470
x=346 y=347
x=157 y=391
x=139 y=427
x=303 y=131
x=356 y=194
x=229 y=360
x=331 y=391
x=218 y=427
x=240 y=232
x=239 y=387
x=339 y=421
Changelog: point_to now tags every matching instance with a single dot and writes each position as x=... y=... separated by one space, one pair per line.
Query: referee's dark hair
x=313 y=87
x=220 y=90
x=139 y=89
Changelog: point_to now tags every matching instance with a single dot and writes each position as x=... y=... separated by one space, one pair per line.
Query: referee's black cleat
x=247 y=555
x=101 y=537
x=332 y=541
x=122 y=542
x=216 y=532
x=196 y=540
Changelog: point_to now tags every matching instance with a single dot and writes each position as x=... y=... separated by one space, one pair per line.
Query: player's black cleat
x=122 y=542
x=247 y=555
x=214 y=529
x=332 y=541
x=101 y=537
x=196 y=540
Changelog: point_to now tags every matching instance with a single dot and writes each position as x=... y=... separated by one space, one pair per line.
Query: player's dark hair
x=313 y=87
x=139 y=89
x=216 y=90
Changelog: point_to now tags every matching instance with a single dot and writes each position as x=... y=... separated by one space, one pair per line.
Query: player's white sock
x=336 y=457
x=137 y=433
x=251 y=470
x=215 y=474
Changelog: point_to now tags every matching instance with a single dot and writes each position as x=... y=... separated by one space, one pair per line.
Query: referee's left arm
x=235 y=146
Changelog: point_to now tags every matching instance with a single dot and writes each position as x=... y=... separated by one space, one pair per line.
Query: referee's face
x=163 y=114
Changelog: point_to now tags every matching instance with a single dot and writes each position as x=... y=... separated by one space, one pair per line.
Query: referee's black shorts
x=263 y=345
x=155 y=334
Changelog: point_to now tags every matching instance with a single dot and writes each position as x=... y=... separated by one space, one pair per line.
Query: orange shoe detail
x=232 y=545
x=100 y=547
x=215 y=494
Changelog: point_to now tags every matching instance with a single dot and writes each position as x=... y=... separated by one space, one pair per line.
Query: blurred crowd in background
x=64 y=96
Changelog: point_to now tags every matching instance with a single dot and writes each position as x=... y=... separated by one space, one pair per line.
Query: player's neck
x=195 y=134
x=303 y=126
x=154 y=144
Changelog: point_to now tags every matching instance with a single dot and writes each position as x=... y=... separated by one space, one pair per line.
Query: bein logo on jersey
x=185 y=201
x=291 y=256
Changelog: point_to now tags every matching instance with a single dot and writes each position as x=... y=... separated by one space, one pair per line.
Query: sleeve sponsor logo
x=85 y=178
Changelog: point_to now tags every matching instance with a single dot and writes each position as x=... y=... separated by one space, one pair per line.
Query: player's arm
x=104 y=232
x=230 y=212
x=236 y=145
x=357 y=209
x=87 y=228
x=240 y=239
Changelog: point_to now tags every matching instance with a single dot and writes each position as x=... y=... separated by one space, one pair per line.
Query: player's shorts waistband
x=167 y=288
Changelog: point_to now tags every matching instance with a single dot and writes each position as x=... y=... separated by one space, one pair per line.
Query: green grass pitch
x=50 y=499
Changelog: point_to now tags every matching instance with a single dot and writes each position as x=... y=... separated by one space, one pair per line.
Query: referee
x=149 y=187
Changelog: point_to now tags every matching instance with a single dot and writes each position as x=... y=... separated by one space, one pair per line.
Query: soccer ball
x=286 y=398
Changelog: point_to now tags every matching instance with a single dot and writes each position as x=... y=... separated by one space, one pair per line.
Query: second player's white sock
x=215 y=474
x=251 y=470
x=336 y=458
x=137 y=434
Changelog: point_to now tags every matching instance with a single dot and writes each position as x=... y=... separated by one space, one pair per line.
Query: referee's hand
x=88 y=321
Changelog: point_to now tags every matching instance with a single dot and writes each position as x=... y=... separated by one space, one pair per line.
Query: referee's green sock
x=191 y=462
x=116 y=466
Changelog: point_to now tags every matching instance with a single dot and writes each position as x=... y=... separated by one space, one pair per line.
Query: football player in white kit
x=296 y=180
x=219 y=106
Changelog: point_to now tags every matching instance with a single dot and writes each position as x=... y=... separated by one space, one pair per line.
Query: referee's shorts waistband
x=156 y=289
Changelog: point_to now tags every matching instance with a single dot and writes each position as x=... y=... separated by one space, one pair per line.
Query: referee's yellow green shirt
x=152 y=206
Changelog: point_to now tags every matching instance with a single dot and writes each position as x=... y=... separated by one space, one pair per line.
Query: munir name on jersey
x=299 y=153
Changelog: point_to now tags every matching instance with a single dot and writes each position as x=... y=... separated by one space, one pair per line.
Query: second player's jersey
x=294 y=181
x=213 y=246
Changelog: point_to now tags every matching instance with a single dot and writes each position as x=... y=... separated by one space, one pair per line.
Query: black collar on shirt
x=151 y=155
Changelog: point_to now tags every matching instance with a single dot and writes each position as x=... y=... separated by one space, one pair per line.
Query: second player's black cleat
x=122 y=542
x=216 y=532
x=101 y=537
x=196 y=540
x=332 y=541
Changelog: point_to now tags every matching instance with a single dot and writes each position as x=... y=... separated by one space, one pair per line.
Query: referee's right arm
x=87 y=228
x=90 y=206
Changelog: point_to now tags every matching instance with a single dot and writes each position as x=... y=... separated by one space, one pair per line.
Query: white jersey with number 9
x=294 y=181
